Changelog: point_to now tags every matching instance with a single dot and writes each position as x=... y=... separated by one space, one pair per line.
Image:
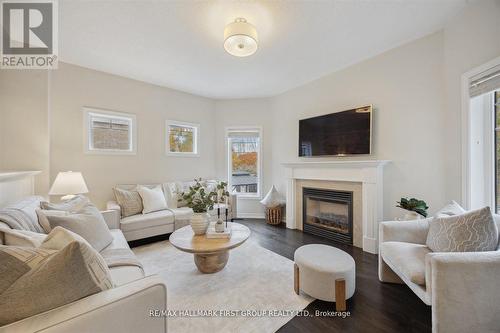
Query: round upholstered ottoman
x=325 y=273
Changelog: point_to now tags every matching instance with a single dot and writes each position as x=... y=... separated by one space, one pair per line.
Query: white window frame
x=258 y=129
x=196 y=127
x=87 y=144
x=466 y=130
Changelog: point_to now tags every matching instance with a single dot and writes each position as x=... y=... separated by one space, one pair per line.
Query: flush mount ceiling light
x=240 y=38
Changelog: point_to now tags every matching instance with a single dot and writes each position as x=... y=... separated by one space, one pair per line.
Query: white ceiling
x=179 y=44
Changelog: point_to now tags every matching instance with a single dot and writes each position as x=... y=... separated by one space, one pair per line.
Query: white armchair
x=462 y=287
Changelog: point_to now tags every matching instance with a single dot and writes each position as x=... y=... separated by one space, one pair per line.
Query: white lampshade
x=68 y=183
x=240 y=38
x=272 y=198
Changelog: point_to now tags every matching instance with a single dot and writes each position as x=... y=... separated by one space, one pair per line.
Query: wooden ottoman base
x=340 y=301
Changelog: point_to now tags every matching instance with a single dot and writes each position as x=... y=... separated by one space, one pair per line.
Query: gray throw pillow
x=130 y=202
x=472 y=231
x=88 y=223
x=72 y=205
x=49 y=279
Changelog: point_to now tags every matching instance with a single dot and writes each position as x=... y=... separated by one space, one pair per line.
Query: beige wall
x=74 y=87
x=24 y=131
x=406 y=88
x=245 y=112
x=470 y=40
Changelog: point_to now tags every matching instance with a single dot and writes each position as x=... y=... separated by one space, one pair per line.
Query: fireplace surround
x=368 y=174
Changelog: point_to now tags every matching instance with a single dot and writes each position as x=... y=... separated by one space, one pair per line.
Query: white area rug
x=253 y=279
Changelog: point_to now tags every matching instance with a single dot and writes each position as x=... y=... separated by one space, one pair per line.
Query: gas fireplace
x=328 y=213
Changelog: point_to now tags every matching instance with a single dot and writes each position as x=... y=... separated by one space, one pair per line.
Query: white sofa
x=164 y=221
x=462 y=287
x=121 y=309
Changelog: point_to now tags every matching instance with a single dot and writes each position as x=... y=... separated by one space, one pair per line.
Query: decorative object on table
x=219 y=225
x=415 y=208
x=68 y=184
x=273 y=203
x=212 y=232
x=200 y=200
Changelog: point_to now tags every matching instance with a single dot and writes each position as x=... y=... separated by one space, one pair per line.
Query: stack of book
x=211 y=233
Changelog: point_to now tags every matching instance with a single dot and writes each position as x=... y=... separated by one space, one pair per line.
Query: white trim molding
x=369 y=173
x=465 y=127
x=15 y=185
x=196 y=132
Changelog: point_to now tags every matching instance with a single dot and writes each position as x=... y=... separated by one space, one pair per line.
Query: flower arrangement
x=413 y=205
x=200 y=199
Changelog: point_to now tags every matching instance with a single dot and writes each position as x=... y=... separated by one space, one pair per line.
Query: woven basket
x=273 y=215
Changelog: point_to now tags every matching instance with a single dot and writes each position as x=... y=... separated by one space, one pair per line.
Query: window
x=109 y=132
x=182 y=138
x=244 y=161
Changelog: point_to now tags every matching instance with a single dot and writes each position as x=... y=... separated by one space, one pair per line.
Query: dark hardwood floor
x=375 y=306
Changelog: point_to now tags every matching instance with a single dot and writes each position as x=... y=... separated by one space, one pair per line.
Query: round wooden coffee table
x=210 y=255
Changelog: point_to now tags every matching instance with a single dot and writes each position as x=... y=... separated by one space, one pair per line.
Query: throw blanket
x=120 y=257
x=20 y=220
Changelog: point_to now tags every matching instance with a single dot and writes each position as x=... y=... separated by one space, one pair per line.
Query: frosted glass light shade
x=272 y=198
x=240 y=38
x=68 y=182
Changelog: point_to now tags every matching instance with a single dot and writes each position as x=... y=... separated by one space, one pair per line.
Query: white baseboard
x=370 y=245
x=251 y=216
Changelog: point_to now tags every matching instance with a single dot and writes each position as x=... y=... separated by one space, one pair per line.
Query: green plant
x=414 y=205
x=222 y=191
x=200 y=199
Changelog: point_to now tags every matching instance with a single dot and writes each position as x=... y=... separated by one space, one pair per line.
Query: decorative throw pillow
x=24 y=238
x=153 y=199
x=453 y=208
x=130 y=202
x=48 y=279
x=170 y=190
x=42 y=217
x=87 y=223
x=472 y=231
x=72 y=205
x=59 y=238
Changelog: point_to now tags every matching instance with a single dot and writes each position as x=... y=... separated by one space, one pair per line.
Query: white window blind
x=485 y=82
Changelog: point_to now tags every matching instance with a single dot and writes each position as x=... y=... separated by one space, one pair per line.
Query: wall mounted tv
x=337 y=134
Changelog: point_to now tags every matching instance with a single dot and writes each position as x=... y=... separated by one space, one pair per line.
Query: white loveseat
x=124 y=308
x=164 y=221
x=462 y=287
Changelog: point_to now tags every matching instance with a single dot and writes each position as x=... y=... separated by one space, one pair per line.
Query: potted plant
x=415 y=208
x=200 y=200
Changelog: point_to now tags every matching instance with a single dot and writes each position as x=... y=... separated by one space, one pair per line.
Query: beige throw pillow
x=153 y=199
x=453 y=208
x=42 y=217
x=469 y=232
x=87 y=223
x=130 y=202
x=14 y=237
x=59 y=238
x=49 y=279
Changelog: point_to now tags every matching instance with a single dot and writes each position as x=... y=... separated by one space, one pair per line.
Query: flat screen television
x=337 y=134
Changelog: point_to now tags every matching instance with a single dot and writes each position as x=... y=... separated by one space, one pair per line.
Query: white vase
x=411 y=216
x=199 y=223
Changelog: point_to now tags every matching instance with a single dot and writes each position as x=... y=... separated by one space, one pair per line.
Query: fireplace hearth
x=328 y=213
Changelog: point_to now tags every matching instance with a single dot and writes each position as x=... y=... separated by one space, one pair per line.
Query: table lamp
x=68 y=184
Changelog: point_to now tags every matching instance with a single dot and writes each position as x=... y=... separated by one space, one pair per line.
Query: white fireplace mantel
x=369 y=173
